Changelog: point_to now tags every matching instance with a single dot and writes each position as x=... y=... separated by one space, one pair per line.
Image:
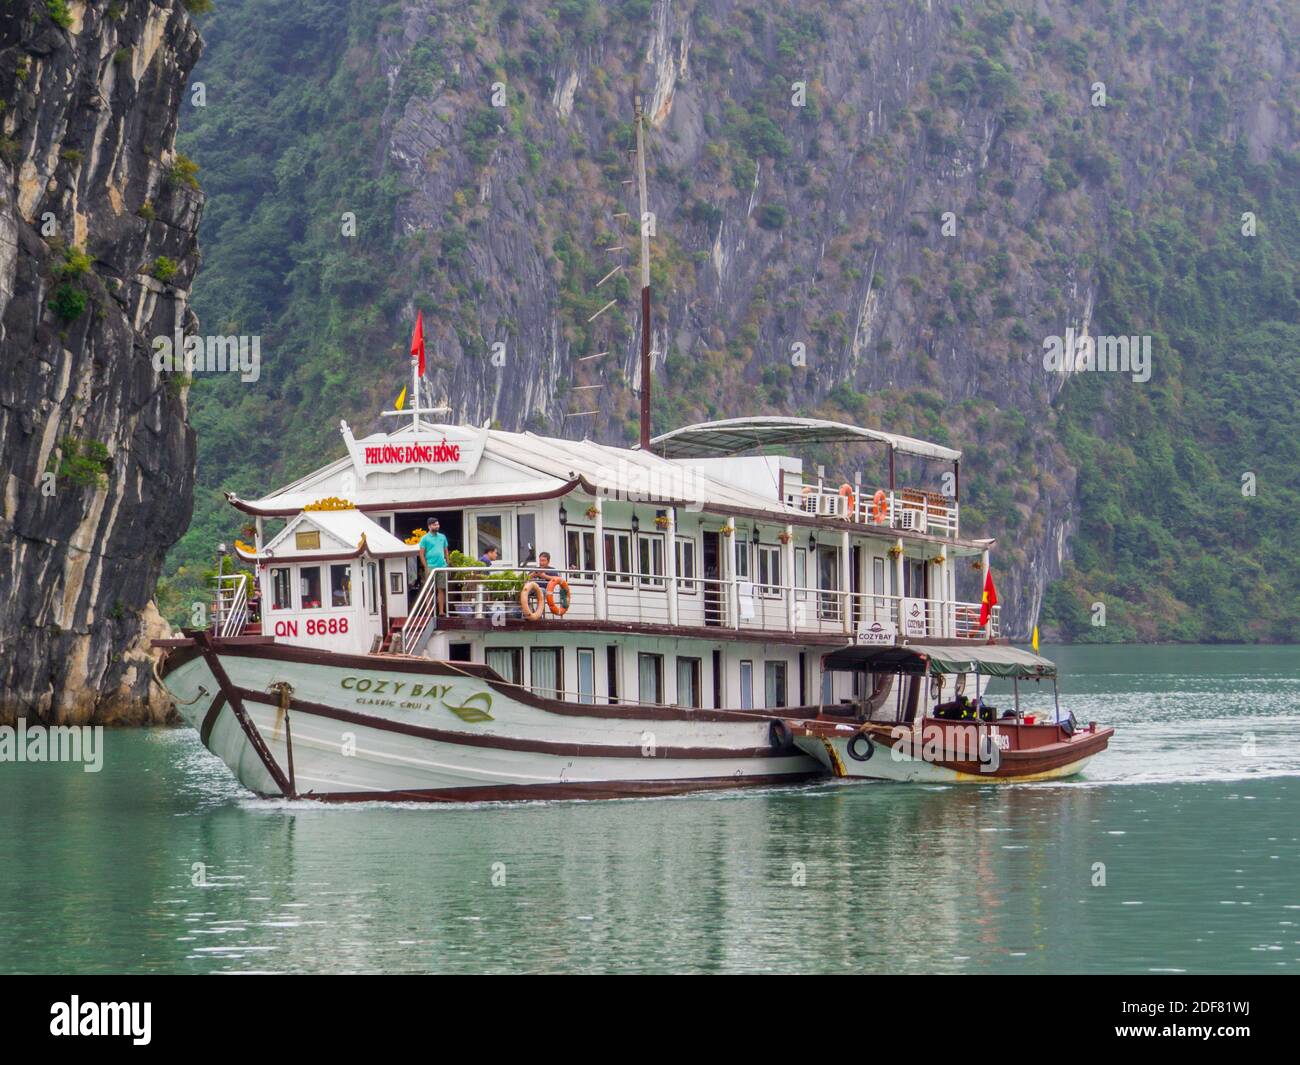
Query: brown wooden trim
x=210 y=718
x=422 y=504
x=213 y=661
x=510 y=743
x=612 y=789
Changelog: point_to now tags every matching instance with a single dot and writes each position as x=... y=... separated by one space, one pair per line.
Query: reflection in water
x=162 y=863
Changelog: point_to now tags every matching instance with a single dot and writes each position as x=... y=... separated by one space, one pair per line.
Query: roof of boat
x=990 y=660
x=733 y=436
x=351 y=528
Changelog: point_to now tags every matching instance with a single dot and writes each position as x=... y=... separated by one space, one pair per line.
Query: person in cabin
x=433 y=556
x=543 y=567
x=490 y=556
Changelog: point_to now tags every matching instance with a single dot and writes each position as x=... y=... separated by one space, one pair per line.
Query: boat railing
x=905 y=509
x=653 y=599
x=423 y=614
x=230 y=605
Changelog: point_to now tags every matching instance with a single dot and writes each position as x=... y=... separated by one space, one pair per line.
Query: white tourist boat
x=683 y=637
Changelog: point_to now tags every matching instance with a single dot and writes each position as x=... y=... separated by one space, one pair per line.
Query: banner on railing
x=878 y=632
x=913 y=615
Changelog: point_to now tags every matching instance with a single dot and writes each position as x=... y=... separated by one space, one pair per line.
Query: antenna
x=645 y=282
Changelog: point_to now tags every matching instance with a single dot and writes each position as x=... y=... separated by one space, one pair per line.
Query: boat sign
x=913 y=614
x=878 y=632
x=439 y=448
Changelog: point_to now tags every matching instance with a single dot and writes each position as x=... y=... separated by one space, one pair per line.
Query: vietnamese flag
x=417 y=341
x=989 y=599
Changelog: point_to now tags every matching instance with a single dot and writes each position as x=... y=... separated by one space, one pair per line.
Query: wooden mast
x=645 y=282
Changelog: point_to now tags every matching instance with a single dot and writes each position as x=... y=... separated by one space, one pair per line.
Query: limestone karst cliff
x=98 y=217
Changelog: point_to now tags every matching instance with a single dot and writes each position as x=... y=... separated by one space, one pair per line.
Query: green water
x=1194 y=813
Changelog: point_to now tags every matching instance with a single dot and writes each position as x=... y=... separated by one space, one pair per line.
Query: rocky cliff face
x=98 y=217
x=873 y=212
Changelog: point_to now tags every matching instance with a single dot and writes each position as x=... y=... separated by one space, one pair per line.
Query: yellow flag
x=401 y=400
x=1035 y=643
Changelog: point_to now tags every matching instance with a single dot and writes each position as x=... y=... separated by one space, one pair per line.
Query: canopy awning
x=990 y=660
x=735 y=435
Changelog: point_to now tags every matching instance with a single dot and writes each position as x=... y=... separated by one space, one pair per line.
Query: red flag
x=417 y=340
x=989 y=599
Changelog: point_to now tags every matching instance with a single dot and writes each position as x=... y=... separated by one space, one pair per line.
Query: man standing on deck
x=433 y=556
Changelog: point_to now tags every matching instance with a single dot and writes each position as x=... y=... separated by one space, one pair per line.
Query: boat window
x=775 y=690
x=618 y=557
x=586 y=675
x=581 y=545
x=341 y=585
x=746 y=685
x=688 y=682
x=742 y=557
x=526 y=537
x=686 y=571
x=372 y=577
x=650 y=671
x=281 y=589
x=488 y=533
x=769 y=570
x=650 y=555
x=309 y=587
x=828 y=580
x=801 y=571
x=396 y=582
x=546 y=665
x=385 y=522
x=611 y=672
x=508 y=661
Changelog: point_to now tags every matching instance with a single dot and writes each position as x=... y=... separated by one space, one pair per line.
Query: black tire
x=779 y=736
x=853 y=748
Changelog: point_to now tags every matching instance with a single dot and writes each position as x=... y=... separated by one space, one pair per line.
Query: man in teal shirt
x=433 y=556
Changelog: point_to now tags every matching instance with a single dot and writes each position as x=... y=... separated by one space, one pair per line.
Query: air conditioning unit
x=912 y=519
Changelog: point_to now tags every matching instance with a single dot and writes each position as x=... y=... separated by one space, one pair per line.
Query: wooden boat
x=958 y=741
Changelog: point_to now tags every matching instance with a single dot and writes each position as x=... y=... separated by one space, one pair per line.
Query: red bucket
x=1030 y=719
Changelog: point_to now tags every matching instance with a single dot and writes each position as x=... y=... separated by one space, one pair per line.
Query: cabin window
x=828 y=580
x=507 y=661
x=769 y=570
x=743 y=569
x=586 y=675
x=746 y=685
x=618 y=557
x=546 y=666
x=385 y=522
x=488 y=533
x=309 y=587
x=341 y=585
x=650 y=673
x=306 y=540
x=372 y=580
x=686 y=571
x=775 y=689
x=611 y=672
x=688 y=682
x=581 y=545
x=526 y=537
x=281 y=589
x=650 y=555
x=801 y=572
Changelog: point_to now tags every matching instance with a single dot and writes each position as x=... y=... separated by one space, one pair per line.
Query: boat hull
x=291 y=722
x=949 y=752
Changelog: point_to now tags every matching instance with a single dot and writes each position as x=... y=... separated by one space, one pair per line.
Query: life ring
x=557 y=584
x=879 y=506
x=780 y=736
x=853 y=744
x=532 y=601
x=846 y=490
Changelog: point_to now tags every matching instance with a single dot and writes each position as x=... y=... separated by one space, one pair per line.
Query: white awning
x=735 y=435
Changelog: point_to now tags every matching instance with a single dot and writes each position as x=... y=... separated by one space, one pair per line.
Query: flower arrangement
x=416 y=536
x=976 y=564
x=331 y=503
x=591 y=512
x=727 y=530
x=247 y=549
x=938 y=560
x=784 y=537
x=662 y=521
x=895 y=551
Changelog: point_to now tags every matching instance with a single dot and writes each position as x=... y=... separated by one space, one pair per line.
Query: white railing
x=230 y=608
x=422 y=615
x=643 y=599
x=908 y=509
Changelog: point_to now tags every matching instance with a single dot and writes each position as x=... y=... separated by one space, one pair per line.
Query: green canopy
x=990 y=660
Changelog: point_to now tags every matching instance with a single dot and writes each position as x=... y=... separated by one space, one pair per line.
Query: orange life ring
x=846 y=490
x=557 y=584
x=532 y=602
x=879 y=506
